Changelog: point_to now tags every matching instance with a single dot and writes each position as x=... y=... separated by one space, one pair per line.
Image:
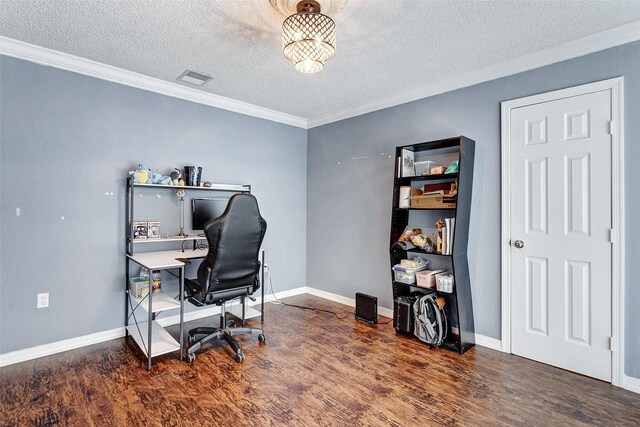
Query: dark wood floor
x=313 y=370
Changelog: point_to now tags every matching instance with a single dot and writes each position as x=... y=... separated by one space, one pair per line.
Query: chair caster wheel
x=239 y=357
x=190 y=339
x=191 y=357
x=262 y=338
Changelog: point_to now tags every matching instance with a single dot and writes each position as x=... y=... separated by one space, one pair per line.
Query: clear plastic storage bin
x=445 y=282
x=407 y=275
x=424 y=168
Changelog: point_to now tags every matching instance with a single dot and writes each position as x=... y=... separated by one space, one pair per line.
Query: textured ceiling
x=384 y=48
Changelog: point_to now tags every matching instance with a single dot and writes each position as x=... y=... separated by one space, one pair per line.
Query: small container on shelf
x=139 y=287
x=445 y=282
x=427 y=278
x=407 y=275
x=437 y=170
x=424 y=168
x=156 y=281
x=403 y=199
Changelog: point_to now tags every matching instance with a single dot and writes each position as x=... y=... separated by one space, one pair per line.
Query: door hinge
x=611 y=235
x=611 y=343
x=611 y=127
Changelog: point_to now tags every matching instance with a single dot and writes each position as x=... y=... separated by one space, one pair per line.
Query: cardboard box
x=432 y=201
x=427 y=278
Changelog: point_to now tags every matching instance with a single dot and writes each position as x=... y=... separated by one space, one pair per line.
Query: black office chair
x=229 y=271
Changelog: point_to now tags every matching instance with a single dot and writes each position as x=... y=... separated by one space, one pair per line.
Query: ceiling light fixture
x=309 y=37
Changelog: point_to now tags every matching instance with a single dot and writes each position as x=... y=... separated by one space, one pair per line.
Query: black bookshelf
x=459 y=303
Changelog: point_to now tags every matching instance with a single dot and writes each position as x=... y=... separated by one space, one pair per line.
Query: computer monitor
x=204 y=210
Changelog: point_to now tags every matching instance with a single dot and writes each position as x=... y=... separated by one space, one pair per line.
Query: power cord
x=304 y=307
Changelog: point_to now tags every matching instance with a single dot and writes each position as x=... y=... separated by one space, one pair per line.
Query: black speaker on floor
x=366 y=308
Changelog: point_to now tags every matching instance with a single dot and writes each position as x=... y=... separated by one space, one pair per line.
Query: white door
x=560 y=169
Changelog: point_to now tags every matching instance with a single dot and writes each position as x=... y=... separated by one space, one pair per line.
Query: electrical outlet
x=43 y=300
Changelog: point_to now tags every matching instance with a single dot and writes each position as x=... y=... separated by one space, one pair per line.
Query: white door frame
x=616 y=85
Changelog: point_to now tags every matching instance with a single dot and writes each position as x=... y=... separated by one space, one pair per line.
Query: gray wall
x=349 y=203
x=66 y=143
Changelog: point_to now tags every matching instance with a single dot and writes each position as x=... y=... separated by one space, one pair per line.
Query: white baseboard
x=283 y=294
x=351 y=302
x=631 y=384
x=488 y=342
x=10 y=358
x=215 y=310
x=30 y=353
x=59 y=346
x=481 y=340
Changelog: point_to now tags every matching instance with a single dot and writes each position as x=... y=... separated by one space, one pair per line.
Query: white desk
x=158 y=341
x=162 y=260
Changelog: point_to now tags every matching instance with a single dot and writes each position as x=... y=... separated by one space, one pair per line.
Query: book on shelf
x=408 y=168
x=448 y=232
x=445 y=231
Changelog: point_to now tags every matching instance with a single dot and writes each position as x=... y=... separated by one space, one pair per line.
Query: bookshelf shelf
x=407 y=180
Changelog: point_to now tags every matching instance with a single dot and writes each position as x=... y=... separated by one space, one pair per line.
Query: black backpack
x=430 y=321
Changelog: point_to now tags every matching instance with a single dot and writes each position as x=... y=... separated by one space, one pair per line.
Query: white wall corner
x=631 y=384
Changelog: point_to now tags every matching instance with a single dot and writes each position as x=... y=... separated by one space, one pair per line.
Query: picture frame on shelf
x=140 y=230
x=153 y=229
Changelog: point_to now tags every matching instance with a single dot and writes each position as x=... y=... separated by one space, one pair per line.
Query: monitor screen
x=204 y=210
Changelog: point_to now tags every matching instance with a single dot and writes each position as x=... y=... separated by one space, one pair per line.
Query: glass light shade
x=308 y=40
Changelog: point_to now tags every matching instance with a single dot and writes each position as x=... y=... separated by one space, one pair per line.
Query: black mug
x=192 y=175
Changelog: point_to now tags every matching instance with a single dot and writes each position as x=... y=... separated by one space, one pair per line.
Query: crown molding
x=64 y=61
x=623 y=34
x=572 y=49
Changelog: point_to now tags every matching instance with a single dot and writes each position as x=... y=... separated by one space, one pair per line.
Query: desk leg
x=244 y=307
x=150 y=320
x=181 y=310
x=126 y=298
x=262 y=290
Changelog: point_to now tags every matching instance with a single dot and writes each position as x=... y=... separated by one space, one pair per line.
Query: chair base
x=226 y=334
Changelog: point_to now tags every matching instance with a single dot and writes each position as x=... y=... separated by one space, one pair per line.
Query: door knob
x=519 y=244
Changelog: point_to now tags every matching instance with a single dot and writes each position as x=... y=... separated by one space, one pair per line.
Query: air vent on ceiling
x=194 y=77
